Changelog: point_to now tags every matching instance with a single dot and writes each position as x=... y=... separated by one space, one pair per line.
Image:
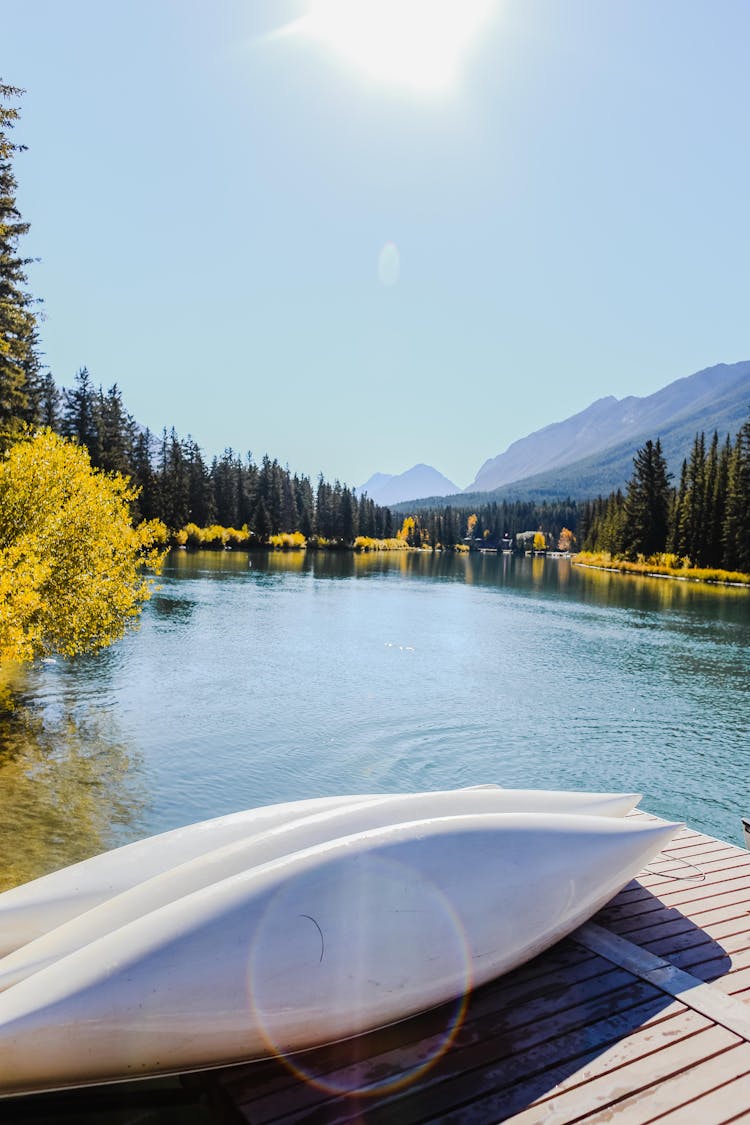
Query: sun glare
x=417 y=43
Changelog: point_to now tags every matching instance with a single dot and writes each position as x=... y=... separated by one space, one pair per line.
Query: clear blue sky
x=209 y=200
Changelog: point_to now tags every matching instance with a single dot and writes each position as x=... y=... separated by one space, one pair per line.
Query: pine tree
x=305 y=506
x=174 y=486
x=20 y=379
x=289 y=509
x=719 y=506
x=675 y=541
x=647 y=503
x=148 y=504
x=201 y=508
x=611 y=536
x=323 y=509
x=348 y=517
x=80 y=416
x=710 y=553
x=116 y=432
x=692 y=514
x=262 y=521
x=51 y=401
x=247 y=490
x=225 y=481
x=737 y=519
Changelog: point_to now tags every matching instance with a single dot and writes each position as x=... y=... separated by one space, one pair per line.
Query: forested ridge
x=703 y=522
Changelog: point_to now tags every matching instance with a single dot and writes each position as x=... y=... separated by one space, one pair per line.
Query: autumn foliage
x=71 y=564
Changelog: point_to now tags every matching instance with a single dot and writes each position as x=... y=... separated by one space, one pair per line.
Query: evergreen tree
x=226 y=487
x=692 y=512
x=80 y=414
x=20 y=380
x=305 y=506
x=719 y=506
x=675 y=541
x=262 y=521
x=612 y=532
x=289 y=509
x=51 y=401
x=709 y=556
x=116 y=432
x=174 y=484
x=148 y=504
x=247 y=485
x=348 y=517
x=323 y=510
x=201 y=508
x=737 y=518
x=647 y=503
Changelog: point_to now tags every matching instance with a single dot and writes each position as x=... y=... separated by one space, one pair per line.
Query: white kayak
x=317 y=946
x=289 y=836
x=36 y=907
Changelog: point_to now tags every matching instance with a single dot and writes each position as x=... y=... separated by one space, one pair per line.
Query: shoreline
x=658 y=574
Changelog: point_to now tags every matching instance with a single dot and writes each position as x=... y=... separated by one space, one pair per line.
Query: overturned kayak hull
x=43 y=904
x=317 y=946
x=293 y=835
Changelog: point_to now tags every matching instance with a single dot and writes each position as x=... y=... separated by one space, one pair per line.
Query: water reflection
x=171 y=608
x=660 y=593
x=68 y=787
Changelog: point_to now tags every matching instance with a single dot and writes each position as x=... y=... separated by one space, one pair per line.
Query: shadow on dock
x=518 y=1039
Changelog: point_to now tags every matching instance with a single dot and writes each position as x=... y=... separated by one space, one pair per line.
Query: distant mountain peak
x=415 y=484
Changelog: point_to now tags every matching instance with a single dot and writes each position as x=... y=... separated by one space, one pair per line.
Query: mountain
x=592 y=452
x=415 y=484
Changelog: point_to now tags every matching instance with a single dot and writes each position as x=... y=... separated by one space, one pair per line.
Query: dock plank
x=649 y=1070
x=680 y=1091
x=721 y=1105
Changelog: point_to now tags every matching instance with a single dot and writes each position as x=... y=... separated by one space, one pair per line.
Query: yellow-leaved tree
x=71 y=564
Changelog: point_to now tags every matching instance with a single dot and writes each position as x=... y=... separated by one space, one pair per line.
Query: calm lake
x=292 y=675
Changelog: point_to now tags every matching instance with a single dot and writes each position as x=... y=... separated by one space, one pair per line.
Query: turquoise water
x=300 y=675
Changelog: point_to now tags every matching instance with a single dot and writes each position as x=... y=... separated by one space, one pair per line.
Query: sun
x=416 y=43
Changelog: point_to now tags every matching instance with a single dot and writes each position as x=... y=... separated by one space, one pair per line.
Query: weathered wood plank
x=731 y=983
x=734 y=913
x=716 y=907
x=721 y=1105
x=661 y=877
x=680 y=1091
x=682 y=898
x=586 y=1100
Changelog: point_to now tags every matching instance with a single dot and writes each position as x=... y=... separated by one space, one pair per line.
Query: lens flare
x=389 y=264
x=352 y=949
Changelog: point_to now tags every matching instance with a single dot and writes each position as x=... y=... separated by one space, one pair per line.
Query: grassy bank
x=662 y=566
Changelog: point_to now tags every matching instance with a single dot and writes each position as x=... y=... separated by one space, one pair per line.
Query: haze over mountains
x=415 y=483
x=591 y=453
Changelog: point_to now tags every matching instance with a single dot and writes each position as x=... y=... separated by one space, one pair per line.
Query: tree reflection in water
x=68 y=788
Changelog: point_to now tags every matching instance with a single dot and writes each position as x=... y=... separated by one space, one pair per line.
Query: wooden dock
x=642 y=1015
